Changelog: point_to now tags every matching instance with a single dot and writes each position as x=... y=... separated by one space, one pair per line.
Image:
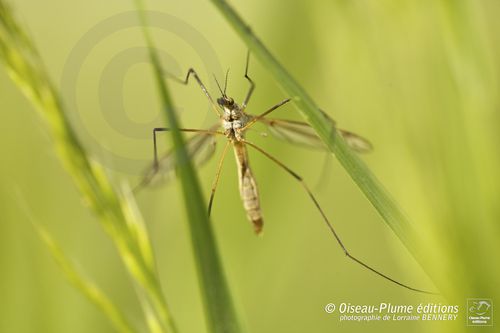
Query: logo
x=479 y=312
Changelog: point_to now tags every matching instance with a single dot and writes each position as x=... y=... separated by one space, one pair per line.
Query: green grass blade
x=219 y=308
x=86 y=287
x=359 y=172
x=112 y=207
x=76 y=278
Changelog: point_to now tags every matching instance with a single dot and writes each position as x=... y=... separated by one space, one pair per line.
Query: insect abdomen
x=248 y=188
x=250 y=197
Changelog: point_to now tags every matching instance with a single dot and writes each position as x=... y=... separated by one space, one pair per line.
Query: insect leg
x=262 y=115
x=329 y=225
x=164 y=129
x=156 y=164
x=325 y=173
x=147 y=179
x=252 y=84
x=190 y=72
x=217 y=176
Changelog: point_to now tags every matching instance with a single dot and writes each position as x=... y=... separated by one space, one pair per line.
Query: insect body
x=248 y=187
x=234 y=118
x=235 y=122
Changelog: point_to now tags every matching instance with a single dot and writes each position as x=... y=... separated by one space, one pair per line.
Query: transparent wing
x=200 y=148
x=356 y=142
x=300 y=133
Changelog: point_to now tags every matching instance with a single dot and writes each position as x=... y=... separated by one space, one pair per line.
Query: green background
x=418 y=78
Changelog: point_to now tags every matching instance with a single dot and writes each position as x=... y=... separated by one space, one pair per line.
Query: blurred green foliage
x=419 y=78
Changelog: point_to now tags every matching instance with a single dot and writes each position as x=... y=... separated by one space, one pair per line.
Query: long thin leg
x=217 y=176
x=147 y=179
x=190 y=72
x=165 y=129
x=324 y=173
x=328 y=224
x=252 y=84
x=262 y=115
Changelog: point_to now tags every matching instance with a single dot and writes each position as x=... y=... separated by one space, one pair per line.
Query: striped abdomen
x=248 y=188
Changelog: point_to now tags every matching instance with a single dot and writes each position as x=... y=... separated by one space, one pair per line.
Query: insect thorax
x=234 y=119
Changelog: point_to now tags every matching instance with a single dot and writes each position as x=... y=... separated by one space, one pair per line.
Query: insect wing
x=300 y=133
x=200 y=148
x=356 y=142
x=294 y=132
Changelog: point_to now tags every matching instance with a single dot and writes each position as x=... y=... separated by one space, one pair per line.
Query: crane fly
x=233 y=123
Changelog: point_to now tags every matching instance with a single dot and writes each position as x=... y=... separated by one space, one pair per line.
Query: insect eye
x=220 y=101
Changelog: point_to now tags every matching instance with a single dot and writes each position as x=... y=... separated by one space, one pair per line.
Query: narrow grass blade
x=25 y=67
x=77 y=278
x=359 y=172
x=86 y=287
x=219 y=308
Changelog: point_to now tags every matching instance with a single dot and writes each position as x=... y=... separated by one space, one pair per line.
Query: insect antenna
x=223 y=93
x=225 y=81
